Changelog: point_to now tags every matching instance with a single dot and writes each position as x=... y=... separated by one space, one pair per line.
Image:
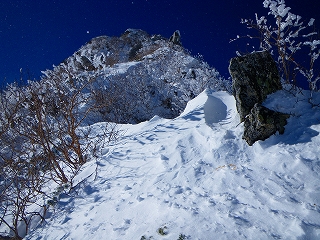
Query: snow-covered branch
x=284 y=34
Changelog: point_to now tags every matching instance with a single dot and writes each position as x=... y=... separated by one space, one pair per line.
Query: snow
x=194 y=176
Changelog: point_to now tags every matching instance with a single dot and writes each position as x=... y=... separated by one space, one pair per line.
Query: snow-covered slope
x=136 y=76
x=193 y=177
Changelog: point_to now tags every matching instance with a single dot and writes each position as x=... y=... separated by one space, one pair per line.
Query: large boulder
x=254 y=76
x=262 y=122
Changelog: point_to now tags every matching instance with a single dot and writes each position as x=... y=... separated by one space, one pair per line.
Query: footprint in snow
x=164 y=158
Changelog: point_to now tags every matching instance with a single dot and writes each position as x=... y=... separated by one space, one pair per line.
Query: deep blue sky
x=34 y=35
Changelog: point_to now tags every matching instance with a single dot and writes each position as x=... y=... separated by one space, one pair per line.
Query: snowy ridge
x=194 y=177
x=136 y=76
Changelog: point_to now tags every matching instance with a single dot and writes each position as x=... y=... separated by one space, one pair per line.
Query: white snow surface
x=195 y=177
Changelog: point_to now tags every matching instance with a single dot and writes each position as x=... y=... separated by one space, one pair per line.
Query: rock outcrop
x=254 y=76
x=176 y=38
x=262 y=122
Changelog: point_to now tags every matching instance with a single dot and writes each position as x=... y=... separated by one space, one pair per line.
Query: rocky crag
x=254 y=77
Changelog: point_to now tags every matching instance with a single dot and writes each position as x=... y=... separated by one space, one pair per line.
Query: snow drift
x=193 y=177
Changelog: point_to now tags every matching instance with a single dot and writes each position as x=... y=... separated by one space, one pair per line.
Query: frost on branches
x=290 y=40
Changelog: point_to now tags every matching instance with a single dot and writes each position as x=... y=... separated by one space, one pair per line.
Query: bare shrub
x=20 y=175
x=44 y=137
x=144 y=52
x=287 y=37
x=111 y=60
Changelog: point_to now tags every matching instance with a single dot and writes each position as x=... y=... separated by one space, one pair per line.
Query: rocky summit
x=139 y=69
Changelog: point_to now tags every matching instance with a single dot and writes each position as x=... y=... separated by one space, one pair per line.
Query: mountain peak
x=151 y=69
x=131 y=33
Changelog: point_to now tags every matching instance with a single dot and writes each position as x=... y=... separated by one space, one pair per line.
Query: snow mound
x=215 y=110
x=194 y=177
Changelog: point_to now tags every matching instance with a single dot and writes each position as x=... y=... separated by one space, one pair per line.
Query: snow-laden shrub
x=160 y=84
x=290 y=39
x=154 y=77
x=43 y=141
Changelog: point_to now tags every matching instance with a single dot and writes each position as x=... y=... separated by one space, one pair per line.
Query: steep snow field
x=193 y=177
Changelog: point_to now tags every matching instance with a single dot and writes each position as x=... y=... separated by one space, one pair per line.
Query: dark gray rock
x=254 y=76
x=262 y=122
x=86 y=64
x=176 y=38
